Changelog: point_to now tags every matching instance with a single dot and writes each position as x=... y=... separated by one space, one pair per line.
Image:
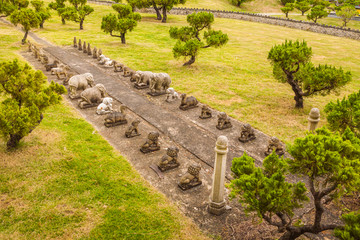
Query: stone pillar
x=314 y=118
x=217 y=201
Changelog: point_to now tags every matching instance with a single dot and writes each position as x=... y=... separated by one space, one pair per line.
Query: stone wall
x=253 y=17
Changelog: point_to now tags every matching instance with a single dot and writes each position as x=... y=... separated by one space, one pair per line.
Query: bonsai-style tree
x=291 y=64
x=189 y=42
x=77 y=12
x=302 y=6
x=238 y=2
x=167 y=5
x=330 y=164
x=59 y=6
x=27 y=18
x=42 y=12
x=284 y=2
x=317 y=12
x=9 y=6
x=288 y=8
x=346 y=13
x=125 y=21
x=25 y=97
x=344 y=114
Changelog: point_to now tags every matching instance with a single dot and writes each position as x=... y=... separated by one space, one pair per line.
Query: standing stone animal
x=142 y=79
x=128 y=72
x=247 y=133
x=60 y=70
x=187 y=102
x=80 y=82
x=29 y=46
x=75 y=43
x=223 y=121
x=171 y=95
x=91 y=97
x=99 y=54
x=133 y=130
x=44 y=59
x=105 y=107
x=118 y=67
x=49 y=66
x=80 y=45
x=84 y=48
x=89 y=49
x=116 y=118
x=95 y=52
x=159 y=83
x=205 y=112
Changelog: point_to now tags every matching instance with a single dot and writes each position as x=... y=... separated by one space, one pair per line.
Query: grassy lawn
x=236 y=79
x=67 y=182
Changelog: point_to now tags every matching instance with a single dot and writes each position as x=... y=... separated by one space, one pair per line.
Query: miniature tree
x=77 y=12
x=344 y=114
x=27 y=18
x=9 y=6
x=125 y=21
x=317 y=12
x=288 y=8
x=238 y=2
x=302 y=6
x=189 y=42
x=291 y=64
x=42 y=12
x=167 y=5
x=284 y=2
x=25 y=98
x=346 y=13
x=59 y=6
x=330 y=163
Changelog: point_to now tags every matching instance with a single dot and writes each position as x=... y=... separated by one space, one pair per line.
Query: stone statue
x=29 y=46
x=133 y=130
x=60 y=70
x=105 y=61
x=151 y=144
x=128 y=72
x=91 y=97
x=247 y=133
x=205 y=112
x=89 y=50
x=40 y=54
x=105 y=107
x=75 y=43
x=84 y=48
x=49 y=66
x=171 y=95
x=159 y=83
x=36 y=51
x=118 y=67
x=223 y=121
x=142 y=79
x=187 y=102
x=44 y=59
x=116 y=118
x=99 y=53
x=191 y=178
x=80 y=82
x=94 y=53
x=169 y=160
x=275 y=145
x=80 y=45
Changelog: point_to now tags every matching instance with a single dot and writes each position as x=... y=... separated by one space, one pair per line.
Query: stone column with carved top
x=314 y=118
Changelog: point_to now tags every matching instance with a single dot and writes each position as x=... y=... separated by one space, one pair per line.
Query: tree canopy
x=302 y=6
x=77 y=12
x=27 y=18
x=346 y=13
x=292 y=65
x=238 y=2
x=317 y=12
x=42 y=12
x=288 y=8
x=25 y=97
x=59 y=7
x=189 y=42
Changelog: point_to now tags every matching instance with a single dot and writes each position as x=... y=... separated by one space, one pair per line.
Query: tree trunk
x=287 y=15
x=81 y=24
x=63 y=20
x=123 y=38
x=158 y=14
x=299 y=101
x=23 y=41
x=164 y=15
x=42 y=25
x=302 y=13
x=191 y=61
x=13 y=141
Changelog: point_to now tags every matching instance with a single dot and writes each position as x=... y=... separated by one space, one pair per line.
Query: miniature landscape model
x=180 y=119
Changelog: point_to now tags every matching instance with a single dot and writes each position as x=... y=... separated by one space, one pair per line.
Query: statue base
x=89 y=53
x=205 y=117
x=131 y=80
x=169 y=167
x=150 y=149
x=132 y=135
x=84 y=105
x=115 y=123
x=117 y=70
x=154 y=94
x=226 y=126
x=217 y=208
x=72 y=97
x=244 y=140
x=140 y=86
x=185 y=187
x=187 y=108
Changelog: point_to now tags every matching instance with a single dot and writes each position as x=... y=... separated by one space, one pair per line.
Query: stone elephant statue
x=159 y=83
x=80 y=82
x=142 y=78
x=92 y=96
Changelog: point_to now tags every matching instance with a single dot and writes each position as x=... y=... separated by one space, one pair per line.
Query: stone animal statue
x=169 y=161
x=133 y=130
x=60 y=70
x=223 y=121
x=247 y=133
x=191 y=178
x=75 y=43
x=105 y=107
x=80 y=45
x=80 y=82
x=99 y=53
x=159 y=83
x=275 y=145
x=84 y=47
x=118 y=67
x=105 y=61
x=151 y=144
x=44 y=59
x=128 y=72
x=90 y=97
x=205 y=112
x=40 y=54
x=49 y=66
x=116 y=118
x=142 y=78
x=94 y=52
x=29 y=46
x=187 y=102
x=171 y=95
x=89 y=49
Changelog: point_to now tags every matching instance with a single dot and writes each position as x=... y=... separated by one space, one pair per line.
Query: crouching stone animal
x=187 y=102
x=191 y=178
x=105 y=107
x=159 y=83
x=60 y=70
x=116 y=118
x=91 y=97
x=51 y=65
x=80 y=82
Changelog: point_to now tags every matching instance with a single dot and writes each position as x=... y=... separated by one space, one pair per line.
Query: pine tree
x=27 y=18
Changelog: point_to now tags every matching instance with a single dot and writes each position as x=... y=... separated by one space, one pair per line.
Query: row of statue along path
x=194 y=137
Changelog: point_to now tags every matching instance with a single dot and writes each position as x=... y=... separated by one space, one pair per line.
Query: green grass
x=236 y=79
x=67 y=182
